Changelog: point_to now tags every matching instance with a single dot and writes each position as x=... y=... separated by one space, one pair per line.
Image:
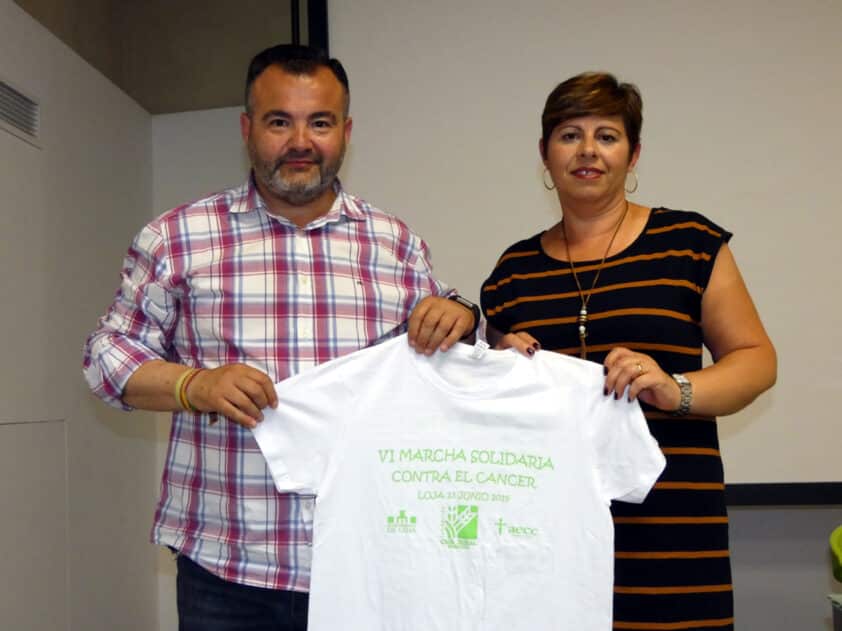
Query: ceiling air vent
x=19 y=114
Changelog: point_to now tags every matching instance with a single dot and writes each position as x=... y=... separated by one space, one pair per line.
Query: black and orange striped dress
x=672 y=568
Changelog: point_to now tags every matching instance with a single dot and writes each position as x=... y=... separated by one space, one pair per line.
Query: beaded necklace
x=585 y=298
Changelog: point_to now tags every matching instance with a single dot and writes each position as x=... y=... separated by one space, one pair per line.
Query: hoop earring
x=544 y=179
x=635 y=182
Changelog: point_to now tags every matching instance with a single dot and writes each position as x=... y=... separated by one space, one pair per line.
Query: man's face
x=296 y=134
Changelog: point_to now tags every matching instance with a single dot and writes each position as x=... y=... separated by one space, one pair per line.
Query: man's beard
x=296 y=191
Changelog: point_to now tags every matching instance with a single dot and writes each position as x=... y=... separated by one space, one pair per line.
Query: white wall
x=741 y=122
x=77 y=506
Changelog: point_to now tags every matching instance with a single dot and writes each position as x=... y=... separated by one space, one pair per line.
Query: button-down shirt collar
x=250 y=200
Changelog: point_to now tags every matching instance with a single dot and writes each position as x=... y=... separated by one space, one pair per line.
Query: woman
x=640 y=290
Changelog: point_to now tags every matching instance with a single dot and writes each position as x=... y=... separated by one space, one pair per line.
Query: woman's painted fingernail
x=536 y=346
x=605 y=370
x=616 y=396
x=530 y=351
x=605 y=391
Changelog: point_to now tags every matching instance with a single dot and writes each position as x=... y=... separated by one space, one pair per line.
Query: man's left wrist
x=470 y=306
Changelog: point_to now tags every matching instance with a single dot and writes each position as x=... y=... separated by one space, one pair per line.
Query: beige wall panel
x=74 y=206
x=25 y=279
x=33 y=529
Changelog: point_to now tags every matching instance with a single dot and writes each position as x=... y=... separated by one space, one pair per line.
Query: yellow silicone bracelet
x=179 y=383
x=183 y=391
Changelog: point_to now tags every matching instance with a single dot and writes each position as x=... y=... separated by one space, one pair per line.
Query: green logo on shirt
x=401 y=523
x=504 y=528
x=459 y=526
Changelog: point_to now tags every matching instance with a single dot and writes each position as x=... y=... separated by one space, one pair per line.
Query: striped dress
x=672 y=568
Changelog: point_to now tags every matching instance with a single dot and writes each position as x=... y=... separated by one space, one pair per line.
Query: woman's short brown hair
x=589 y=94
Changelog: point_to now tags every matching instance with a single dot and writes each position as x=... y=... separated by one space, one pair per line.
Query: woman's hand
x=644 y=378
x=522 y=342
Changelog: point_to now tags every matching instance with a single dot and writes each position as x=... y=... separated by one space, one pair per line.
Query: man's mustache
x=293 y=156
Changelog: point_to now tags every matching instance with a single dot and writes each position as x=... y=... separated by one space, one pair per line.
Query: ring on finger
x=639 y=368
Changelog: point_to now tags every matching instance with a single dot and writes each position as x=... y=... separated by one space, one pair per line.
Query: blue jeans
x=208 y=603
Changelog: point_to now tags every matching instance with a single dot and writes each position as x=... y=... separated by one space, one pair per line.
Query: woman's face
x=588 y=158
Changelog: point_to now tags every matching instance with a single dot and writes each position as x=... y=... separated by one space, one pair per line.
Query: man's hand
x=437 y=324
x=236 y=391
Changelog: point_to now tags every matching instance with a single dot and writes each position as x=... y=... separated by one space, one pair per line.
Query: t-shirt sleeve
x=299 y=437
x=628 y=458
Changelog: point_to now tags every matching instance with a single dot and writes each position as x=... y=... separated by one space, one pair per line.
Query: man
x=225 y=296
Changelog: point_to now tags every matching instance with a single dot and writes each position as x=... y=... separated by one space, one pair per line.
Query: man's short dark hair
x=295 y=59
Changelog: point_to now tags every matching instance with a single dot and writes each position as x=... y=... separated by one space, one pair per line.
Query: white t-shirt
x=459 y=494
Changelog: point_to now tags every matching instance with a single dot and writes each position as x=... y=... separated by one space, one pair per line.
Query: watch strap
x=472 y=307
x=686 y=389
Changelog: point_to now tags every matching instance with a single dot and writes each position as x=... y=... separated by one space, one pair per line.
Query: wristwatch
x=474 y=310
x=686 y=389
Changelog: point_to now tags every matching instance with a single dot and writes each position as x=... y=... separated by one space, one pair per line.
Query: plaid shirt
x=220 y=281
